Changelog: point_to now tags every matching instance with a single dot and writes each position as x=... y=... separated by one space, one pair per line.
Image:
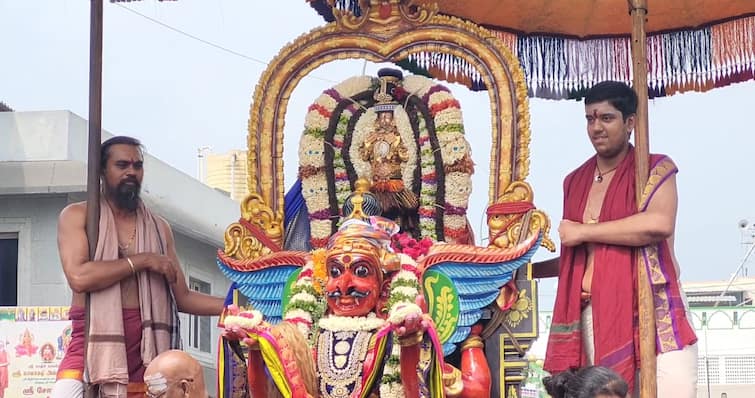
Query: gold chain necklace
x=125 y=247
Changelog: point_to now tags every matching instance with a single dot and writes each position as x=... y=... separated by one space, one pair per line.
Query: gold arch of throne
x=389 y=31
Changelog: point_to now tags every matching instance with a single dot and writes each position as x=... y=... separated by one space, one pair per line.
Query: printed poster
x=33 y=341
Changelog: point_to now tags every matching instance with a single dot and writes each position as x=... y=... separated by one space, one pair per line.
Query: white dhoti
x=676 y=370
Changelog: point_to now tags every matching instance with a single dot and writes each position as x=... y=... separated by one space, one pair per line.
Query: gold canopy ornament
x=384 y=16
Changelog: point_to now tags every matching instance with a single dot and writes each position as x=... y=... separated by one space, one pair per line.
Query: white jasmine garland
x=405 y=275
x=458 y=189
x=315 y=120
x=314 y=187
x=402 y=310
x=314 y=193
x=326 y=101
x=304 y=296
x=440 y=96
x=353 y=86
x=243 y=322
x=428 y=169
x=392 y=390
x=336 y=323
x=311 y=151
x=391 y=368
x=404 y=259
x=427 y=188
x=454 y=222
x=453 y=147
x=417 y=85
x=404 y=127
x=406 y=290
x=295 y=313
x=448 y=116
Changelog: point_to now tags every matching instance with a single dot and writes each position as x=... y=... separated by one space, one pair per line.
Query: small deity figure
x=64 y=340
x=26 y=346
x=386 y=153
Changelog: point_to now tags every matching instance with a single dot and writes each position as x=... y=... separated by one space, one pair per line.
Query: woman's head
x=589 y=382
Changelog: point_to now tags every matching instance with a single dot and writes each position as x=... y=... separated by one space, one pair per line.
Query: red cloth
x=614 y=287
x=73 y=361
x=3 y=372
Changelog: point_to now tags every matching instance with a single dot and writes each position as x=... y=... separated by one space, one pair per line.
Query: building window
x=200 y=333
x=8 y=269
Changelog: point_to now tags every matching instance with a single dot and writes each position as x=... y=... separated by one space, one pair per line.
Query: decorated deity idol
x=362 y=318
x=386 y=153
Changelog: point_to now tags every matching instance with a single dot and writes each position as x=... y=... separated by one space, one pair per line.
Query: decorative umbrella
x=565 y=47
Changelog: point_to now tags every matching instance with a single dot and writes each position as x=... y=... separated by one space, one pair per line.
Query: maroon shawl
x=614 y=287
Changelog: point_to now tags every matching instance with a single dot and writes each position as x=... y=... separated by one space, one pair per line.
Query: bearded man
x=134 y=283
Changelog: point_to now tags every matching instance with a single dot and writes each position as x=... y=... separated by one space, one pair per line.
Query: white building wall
x=40 y=276
x=198 y=261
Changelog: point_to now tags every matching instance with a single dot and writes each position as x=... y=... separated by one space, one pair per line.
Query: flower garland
x=419 y=86
x=404 y=243
x=312 y=155
x=455 y=153
x=428 y=184
x=390 y=383
x=401 y=303
x=351 y=323
x=456 y=150
x=307 y=304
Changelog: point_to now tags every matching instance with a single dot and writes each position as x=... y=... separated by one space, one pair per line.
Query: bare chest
x=126 y=228
x=595 y=199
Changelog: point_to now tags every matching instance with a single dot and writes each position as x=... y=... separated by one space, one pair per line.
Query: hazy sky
x=177 y=94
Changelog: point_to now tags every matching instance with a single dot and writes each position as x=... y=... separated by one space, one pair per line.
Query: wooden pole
x=95 y=125
x=638 y=10
x=95 y=140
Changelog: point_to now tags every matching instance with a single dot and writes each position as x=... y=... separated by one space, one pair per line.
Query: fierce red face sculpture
x=354 y=282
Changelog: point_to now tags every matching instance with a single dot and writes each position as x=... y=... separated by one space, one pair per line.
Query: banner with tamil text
x=33 y=341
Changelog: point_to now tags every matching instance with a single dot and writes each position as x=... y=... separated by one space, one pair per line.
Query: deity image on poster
x=47 y=352
x=3 y=368
x=20 y=314
x=55 y=314
x=26 y=345
x=44 y=314
x=31 y=314
x=64 y=340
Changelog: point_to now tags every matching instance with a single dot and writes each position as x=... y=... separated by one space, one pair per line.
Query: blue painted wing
x=458 y=281
x=265 y=282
